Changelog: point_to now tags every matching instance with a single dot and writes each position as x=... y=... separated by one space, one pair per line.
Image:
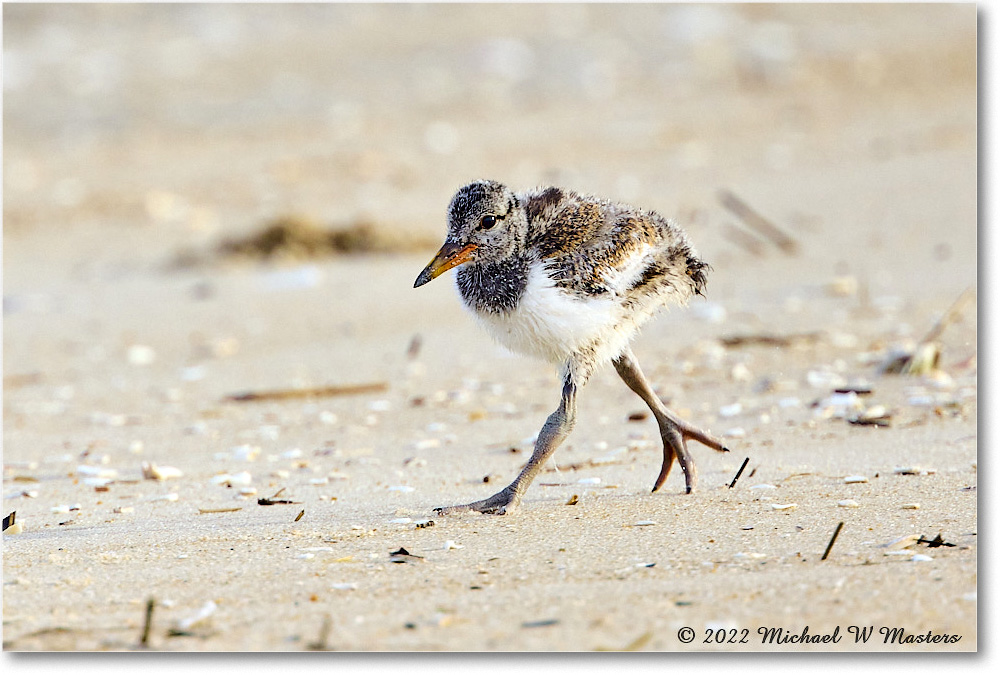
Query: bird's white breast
x=552 y=324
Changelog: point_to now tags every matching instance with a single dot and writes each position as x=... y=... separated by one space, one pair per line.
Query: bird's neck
x=495 y=286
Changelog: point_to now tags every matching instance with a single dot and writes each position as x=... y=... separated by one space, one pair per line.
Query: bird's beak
x=450 y=255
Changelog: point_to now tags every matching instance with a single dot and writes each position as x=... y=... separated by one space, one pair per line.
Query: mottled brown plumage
x=569 y=278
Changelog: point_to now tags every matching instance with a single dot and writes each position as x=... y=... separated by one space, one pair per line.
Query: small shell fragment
x=589 y=481
x=96 y=472
x=876 y=415
x=65 y=508
x=151 y=471
x=731 y=410
x=784 y=507
x=848 y=503
x=920 y=557
x=245 y=453
x=231 y=480
x=910 y=507
x=645 y=523
x=207 y=610
x=902 y=542
x=401 y=488
x=450 y=545
x=855 y=479
x=16 y=528
x=343 y=587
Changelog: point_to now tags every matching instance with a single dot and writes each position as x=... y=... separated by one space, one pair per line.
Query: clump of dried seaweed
x=297 y=238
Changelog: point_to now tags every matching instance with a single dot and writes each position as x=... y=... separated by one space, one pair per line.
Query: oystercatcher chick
x=569 y=278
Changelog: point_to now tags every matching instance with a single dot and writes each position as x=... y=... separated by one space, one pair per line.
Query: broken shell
x=16 y=528
x=450 y=545
x=246 y=453
x=921 y=361
x=231 y=480
x=902 y=542
x=401 y=488
x=206 y=611
x=848 y=503
x=784 y=507
x=920 y=557
x=248 y=491
x=645 y=523
x=151 y=471
x=65 y=508
x=876 y=415
x=731 y=410
x=343 y=587
x=96 y=471
x=855 y=479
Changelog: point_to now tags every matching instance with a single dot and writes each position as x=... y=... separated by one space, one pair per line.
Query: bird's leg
x=674 y=431
x=555 y=430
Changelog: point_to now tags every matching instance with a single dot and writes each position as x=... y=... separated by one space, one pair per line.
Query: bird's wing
x=593 y=247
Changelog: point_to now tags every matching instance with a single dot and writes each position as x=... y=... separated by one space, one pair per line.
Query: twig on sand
x=148 y=624
x=758 y=222
x=770 y=340
x=309 y=392
x=739 y=473
x=832 y=539
x=324 y=633
x=951 y=316
x=744 y=240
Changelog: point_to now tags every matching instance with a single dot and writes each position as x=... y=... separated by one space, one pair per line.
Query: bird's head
x=486 y=222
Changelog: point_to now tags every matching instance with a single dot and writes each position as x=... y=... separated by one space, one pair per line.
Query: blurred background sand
x=137 y=138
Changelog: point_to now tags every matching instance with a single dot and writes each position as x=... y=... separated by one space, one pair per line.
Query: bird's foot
x=676 y=433
x=499 y=504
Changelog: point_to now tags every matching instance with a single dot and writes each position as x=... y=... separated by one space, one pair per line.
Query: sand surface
x=136 y=138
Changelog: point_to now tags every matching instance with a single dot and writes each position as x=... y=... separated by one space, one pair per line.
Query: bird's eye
x=487 y=222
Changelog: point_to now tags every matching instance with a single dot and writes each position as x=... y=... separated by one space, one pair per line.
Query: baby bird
x=569 y=278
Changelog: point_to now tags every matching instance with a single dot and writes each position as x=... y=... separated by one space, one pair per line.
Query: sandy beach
x=138 y=139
